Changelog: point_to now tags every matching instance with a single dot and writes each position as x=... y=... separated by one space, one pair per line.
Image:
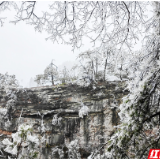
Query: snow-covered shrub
x=73 y=150
x=59 y=152
x=3 y=111
x=42 y=128
x=23 y=144
x=70 y=151
x=56 y=120
x=83 y=111
x=97 y=155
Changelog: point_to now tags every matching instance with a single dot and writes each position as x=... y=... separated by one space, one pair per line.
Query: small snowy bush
x=23 y=144
x=83 y=111
x=73 y=150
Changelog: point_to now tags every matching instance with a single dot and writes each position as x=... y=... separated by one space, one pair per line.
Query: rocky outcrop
x=64 y=101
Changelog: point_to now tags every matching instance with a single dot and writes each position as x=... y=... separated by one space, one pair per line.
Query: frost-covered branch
x=70 y=21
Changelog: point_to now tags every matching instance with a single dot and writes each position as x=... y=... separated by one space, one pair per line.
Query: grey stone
x=92 y=130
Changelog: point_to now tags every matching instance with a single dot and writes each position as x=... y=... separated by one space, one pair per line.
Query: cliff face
x=40 y=105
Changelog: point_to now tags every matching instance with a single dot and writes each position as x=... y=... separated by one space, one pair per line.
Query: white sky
x=26 y=53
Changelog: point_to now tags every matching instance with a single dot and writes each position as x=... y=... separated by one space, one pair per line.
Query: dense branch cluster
x=69 y=21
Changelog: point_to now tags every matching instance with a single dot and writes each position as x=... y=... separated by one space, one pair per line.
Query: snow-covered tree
x=8 y=81
x=9 y=85
x=114 y=62
x=103 y=63
x=50 y=75
x=89 y=63
x=139 y=112
x=64 y=75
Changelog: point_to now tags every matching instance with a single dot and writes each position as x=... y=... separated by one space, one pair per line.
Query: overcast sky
x=26 y=53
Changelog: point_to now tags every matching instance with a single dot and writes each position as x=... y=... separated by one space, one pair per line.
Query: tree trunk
x=93 y=72
x=104 y=74
x=96 y=68
x=52 y=80
x=157 y=11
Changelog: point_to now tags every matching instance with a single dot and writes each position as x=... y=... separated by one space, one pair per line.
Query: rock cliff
x=40 y=105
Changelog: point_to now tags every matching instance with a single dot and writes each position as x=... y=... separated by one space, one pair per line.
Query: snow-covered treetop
x=50 y=74
x=50 y=70
x=8 y=81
